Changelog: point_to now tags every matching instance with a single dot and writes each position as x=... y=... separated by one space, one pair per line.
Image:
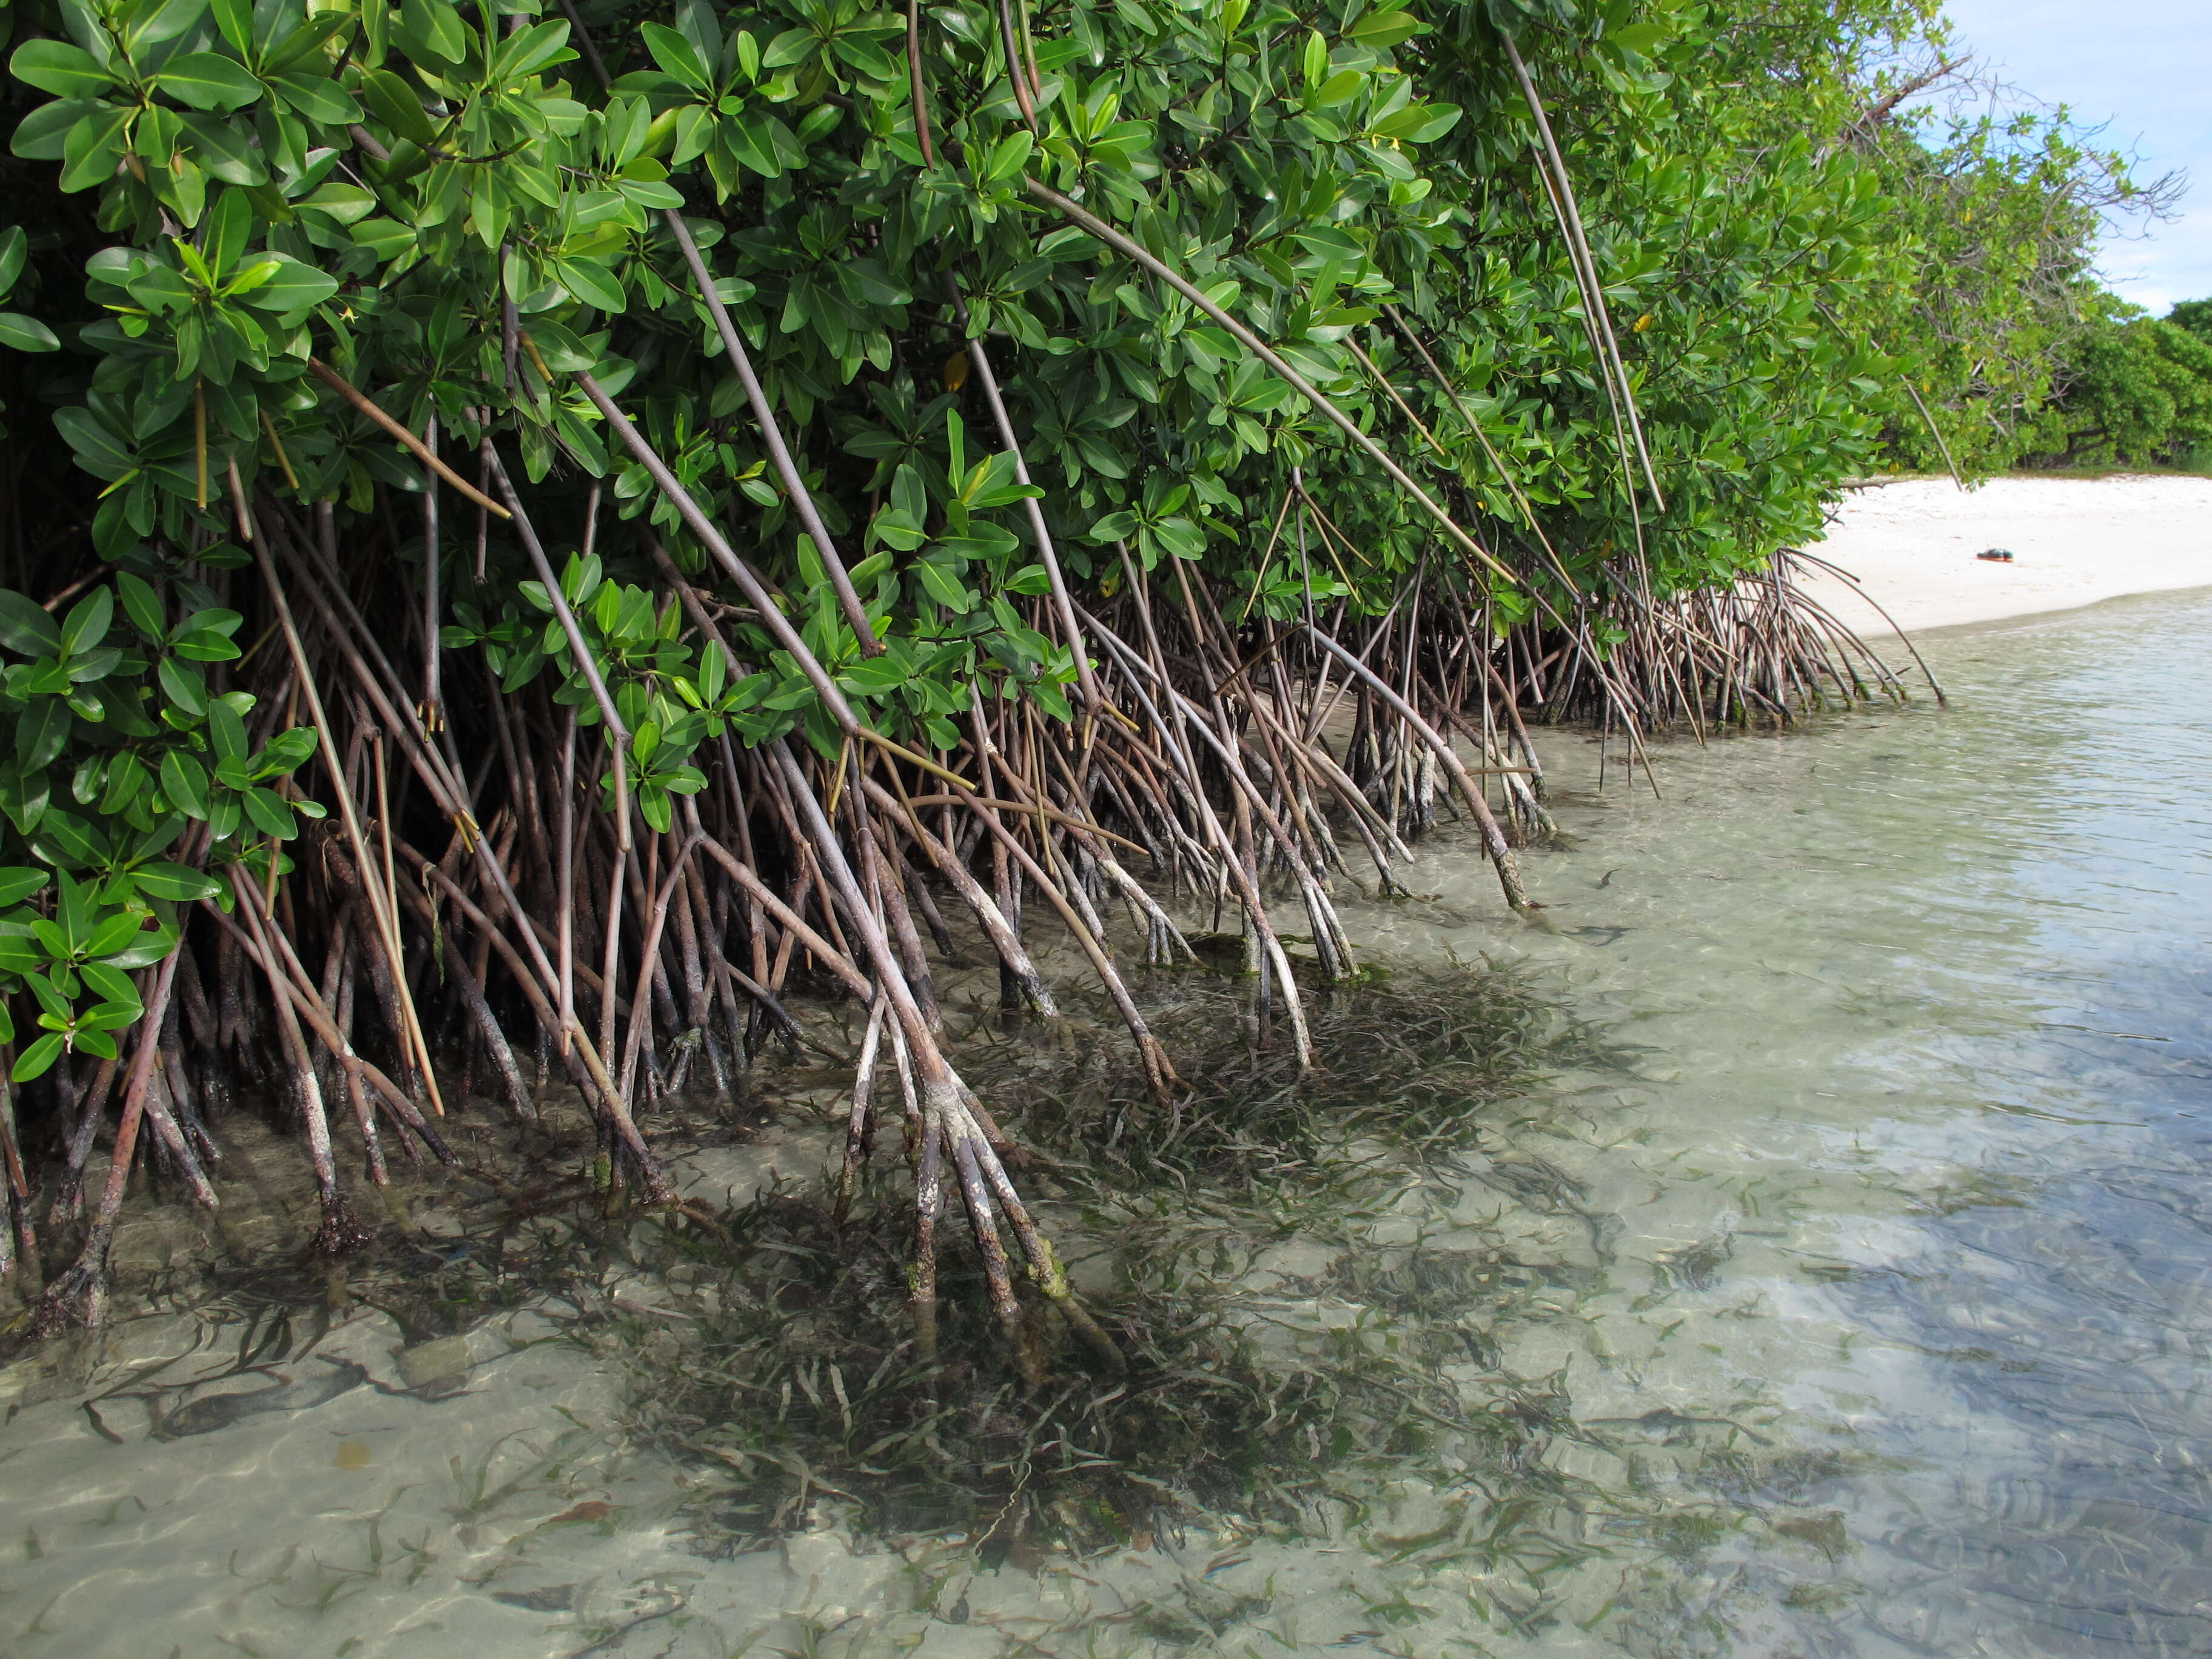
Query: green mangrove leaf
x=56 y=66
x=176 y=882
x=149 y=22
x=25 y=628
x=292 y=287
x=18 y=882
x=185 y=782
x=151 y=945
x=99 y=451
x=41 y=733
x=86 y=625
x=269 y=813
x=433 y=29
x=37 y=1059
x=207 y=81
x=317 y=97
x=393 y=102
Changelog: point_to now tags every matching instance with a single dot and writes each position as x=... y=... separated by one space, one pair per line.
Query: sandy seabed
x=1911 y=545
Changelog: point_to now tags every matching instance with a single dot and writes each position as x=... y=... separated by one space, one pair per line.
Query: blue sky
x=2145 y=66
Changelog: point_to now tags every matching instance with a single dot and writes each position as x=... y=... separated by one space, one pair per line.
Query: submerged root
x=76 y=1299
x=341 y=1235
x=1219 y=762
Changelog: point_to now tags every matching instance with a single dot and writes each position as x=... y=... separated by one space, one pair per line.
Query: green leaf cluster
x=123 y=750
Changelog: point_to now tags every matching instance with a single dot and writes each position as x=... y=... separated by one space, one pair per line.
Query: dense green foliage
x=444 y=204
x=2133 y=390
x=2193 y=315
x=1996 y=222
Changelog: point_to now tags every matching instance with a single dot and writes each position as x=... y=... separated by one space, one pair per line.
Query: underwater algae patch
x=1295 y=1351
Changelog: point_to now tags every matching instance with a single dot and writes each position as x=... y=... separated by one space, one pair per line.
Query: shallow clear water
x=1929 y=1007
x=1883 y=1299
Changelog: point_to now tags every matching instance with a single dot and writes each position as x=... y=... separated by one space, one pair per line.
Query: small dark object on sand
x=1999 y=554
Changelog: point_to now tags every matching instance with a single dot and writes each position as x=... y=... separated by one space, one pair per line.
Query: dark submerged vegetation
x=793 y=1376
x=539 y=541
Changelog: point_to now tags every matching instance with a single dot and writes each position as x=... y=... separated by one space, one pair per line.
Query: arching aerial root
x=1221 y=762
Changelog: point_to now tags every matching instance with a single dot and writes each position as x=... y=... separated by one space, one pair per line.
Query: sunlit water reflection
x=1930 y=996
x=1882 y=1304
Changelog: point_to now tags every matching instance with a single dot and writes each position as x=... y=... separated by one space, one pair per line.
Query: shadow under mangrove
x=1291 y=1346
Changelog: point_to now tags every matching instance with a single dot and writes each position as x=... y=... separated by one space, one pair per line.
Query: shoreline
x=2077 y=542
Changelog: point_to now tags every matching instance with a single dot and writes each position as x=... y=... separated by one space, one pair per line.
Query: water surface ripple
x=1881 y=1310
x=1926 y=1001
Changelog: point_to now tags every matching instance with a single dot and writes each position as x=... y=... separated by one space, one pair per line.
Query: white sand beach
x=2075 y=542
